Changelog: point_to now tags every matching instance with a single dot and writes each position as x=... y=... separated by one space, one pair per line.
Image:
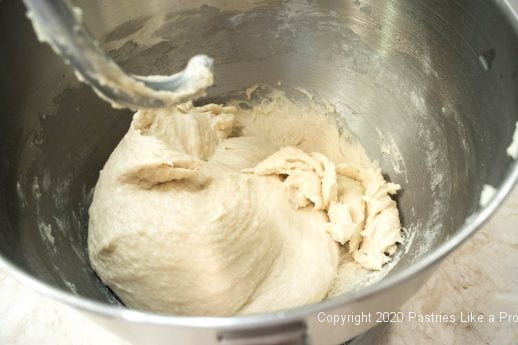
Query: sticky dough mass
x=222 y=210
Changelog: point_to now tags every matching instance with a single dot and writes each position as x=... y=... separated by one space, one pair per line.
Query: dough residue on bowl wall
x=512 y=150
x=487 y=194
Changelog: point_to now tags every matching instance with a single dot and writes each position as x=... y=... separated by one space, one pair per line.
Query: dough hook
x=59 y=24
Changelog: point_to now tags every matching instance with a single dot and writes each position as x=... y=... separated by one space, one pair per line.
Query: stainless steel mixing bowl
x=433 y=83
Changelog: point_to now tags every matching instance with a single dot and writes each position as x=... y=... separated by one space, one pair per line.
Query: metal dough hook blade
x=61 y=25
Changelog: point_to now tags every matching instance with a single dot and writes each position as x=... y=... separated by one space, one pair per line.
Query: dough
x=239 y=209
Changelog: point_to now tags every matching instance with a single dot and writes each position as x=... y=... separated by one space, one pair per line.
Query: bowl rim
x=470 y=226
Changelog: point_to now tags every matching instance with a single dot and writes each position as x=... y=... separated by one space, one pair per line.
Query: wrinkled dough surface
x=219 y=210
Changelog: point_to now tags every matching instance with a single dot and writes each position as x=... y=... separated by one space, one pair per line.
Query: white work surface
x=481 y=277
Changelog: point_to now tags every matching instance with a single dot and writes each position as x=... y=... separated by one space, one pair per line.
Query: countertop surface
x=480 y=278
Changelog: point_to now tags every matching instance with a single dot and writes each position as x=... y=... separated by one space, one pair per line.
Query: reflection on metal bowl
x=430 y=88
